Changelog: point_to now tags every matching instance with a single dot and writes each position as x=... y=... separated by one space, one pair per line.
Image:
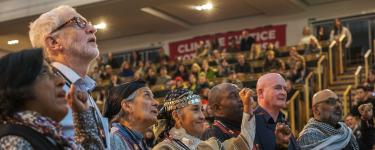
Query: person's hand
x=77 y=100
x=366 y=111
x=282 y=133
x=247 y=100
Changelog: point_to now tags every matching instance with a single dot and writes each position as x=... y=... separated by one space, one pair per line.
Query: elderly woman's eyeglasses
x=81 y=23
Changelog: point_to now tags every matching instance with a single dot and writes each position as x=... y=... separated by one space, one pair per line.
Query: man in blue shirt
x=69 y=43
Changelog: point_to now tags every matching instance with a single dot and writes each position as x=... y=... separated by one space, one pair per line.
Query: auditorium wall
x=294 y=22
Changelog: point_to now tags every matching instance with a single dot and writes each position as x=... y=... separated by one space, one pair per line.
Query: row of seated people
x=218 y=68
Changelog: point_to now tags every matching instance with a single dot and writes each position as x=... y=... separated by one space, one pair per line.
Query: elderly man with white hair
x=325 y=131
x=69 y=43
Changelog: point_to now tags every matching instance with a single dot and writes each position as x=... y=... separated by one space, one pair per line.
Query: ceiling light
x=207 y=6
x=12 y=42
x=100 y=26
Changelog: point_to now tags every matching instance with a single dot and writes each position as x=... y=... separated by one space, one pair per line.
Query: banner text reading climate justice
x=185 y=49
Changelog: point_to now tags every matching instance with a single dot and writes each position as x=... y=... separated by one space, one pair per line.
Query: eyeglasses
x=331 y=101
x=81 y=23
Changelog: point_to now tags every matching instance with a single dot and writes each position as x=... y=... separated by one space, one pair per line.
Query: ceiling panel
x=124 y=18
x=320 y=2
x=222 y=10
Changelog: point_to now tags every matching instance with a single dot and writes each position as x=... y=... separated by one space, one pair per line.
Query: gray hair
x=46 y=23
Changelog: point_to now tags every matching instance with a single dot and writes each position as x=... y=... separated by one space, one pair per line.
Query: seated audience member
x=202 y=83
x=271 y=47
x=362 y=96
x=163 y=77
x=201 y=51
x=215 y=58
x=223 y=69
x=182 y=72
x=222 y=100
x=370 y=82
x=185 y=124
x=324 y=130
x=242 y=66
x=131 y=107
x=179 y=83
x=246 y=41
x=126 y=70
x=209 y=71
x=233 y=78
x=366 y=140
x=321 y=34
x=114 y=81
x=195 y=69
x=112 y=62
x=256 y=52
x=32 y=102
x=192 y=84
x=353 y=123
x=172 y=67
x=297 y=66
x=272 y=64
x=272 y=131
x=151 y=77
x=309 y=41
x=232 y=46
x=106 y=75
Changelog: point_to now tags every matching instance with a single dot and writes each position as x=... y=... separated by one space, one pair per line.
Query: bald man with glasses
x=69 y=43
x=326 y=129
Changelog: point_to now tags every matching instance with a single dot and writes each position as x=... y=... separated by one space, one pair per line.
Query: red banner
x=185 y=49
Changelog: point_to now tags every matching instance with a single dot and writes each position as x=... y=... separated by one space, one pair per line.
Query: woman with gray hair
x=185 y=124
x=131 y=107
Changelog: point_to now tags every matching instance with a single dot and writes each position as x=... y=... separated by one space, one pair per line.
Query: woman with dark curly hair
x=185 y=124
x=32 y=102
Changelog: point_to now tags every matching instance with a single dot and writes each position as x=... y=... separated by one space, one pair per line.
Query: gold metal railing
x=340 y=58
x=307 y=94
x=346 y=99
x=292 y=115
x=357 y=76
x=341 y=55
x=330 y=53
x=367 y=66
x=319 y=72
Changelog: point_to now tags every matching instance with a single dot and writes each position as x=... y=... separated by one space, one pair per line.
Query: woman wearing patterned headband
x=185 y=122
x=131 y=107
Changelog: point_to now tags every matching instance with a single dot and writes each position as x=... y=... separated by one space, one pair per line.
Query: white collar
x=181 y=134
x=73 y=77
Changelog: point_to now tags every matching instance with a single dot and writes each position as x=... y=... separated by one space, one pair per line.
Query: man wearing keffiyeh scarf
x=325 y=131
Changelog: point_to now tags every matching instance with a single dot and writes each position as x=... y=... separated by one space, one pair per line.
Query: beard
x=84 y=51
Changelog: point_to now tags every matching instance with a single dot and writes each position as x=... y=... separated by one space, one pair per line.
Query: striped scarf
x=318 y=135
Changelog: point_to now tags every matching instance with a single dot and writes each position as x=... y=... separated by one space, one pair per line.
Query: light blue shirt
x=83 y=84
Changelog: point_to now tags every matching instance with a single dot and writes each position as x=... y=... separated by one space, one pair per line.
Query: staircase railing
x=367 y=66
x=292 y=110
x=307 y=94
x=346 y=99
x=357 y=76
x=330 y=58
x=320 y=71
x=341 y=55
x=340 y=60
